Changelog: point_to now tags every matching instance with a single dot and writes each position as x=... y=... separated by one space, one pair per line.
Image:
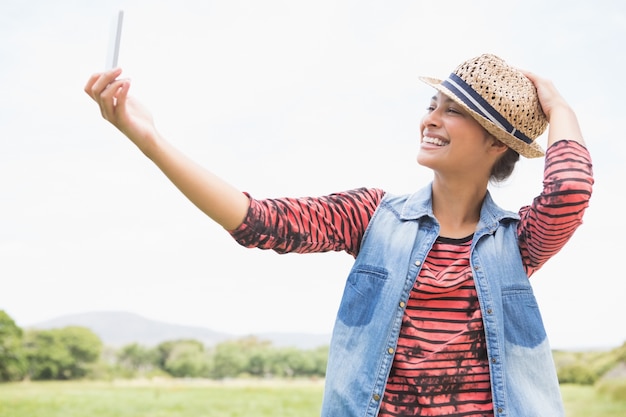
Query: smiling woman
x=443 y=270
x=325 y=91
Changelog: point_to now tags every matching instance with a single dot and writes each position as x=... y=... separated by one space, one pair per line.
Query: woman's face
x=452 y=142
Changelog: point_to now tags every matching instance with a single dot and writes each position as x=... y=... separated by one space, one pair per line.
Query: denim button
x=402 y=304
x=376 y=397
x=417 y=263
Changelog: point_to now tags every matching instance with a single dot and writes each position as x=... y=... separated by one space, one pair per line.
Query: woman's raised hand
x=120 y=109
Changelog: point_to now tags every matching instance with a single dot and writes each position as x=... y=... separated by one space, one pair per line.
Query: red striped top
x=440 y=366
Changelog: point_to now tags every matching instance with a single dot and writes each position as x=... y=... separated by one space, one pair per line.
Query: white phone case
x=114 y=42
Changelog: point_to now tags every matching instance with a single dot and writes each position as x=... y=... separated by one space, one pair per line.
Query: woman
x=438 y=316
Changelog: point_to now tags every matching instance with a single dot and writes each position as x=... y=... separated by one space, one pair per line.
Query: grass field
x=210 y=399
x=160 y=399
x=583 y=401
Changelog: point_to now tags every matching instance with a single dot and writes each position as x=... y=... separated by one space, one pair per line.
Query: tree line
x=76 y=352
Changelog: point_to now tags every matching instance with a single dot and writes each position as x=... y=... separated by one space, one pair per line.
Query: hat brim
x=532 y=150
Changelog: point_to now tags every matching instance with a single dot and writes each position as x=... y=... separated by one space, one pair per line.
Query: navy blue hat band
x=474 y=101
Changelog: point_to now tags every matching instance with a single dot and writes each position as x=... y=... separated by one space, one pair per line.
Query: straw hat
x=500 y=98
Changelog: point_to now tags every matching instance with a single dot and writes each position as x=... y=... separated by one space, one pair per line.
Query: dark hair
x=504 y=166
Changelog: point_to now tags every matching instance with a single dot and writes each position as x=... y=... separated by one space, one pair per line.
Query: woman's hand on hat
x=549 y=96
x=121 y=110
x=562 y=119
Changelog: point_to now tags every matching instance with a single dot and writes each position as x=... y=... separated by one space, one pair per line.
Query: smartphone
x=114 y=42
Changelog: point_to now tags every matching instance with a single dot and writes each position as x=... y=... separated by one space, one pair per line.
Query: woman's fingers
x=89 y=86
x=107 y=98
x=549 y=96
x=115 y=102
x=98 y=82
x=104 y=88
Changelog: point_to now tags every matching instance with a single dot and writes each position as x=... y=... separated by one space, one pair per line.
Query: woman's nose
x=431 y=118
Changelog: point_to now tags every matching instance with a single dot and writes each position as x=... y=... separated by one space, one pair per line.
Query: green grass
x=584 y=401
x=176 y=398
x=169 y=399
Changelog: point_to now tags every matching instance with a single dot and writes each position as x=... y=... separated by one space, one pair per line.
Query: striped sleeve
x=550 y=221
x=311 y=224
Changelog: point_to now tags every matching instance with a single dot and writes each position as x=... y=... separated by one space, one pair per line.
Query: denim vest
x=394 y=246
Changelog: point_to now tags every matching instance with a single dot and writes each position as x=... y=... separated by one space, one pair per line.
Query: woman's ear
x=498 y=146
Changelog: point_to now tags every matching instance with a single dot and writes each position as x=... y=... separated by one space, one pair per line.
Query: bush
x=187 y=359
x=576 y=374
x=587 y=367
x=12 y=358
x=614 y=389
x=66 y=353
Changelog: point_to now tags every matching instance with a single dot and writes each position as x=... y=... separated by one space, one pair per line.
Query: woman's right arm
x=214 y=196
x=334 y=222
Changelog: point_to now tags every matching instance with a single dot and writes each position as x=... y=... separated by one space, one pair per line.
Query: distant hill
x=118 y=328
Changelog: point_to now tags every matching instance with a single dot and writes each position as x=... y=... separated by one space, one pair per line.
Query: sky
x=281 y=98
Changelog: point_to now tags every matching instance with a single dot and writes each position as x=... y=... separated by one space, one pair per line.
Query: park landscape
x=70 y=372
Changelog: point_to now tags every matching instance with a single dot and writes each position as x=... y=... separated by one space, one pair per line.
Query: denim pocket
x=523 y=325
x=361 y=295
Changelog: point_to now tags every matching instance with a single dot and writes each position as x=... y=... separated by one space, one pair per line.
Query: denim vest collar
x=419 y=204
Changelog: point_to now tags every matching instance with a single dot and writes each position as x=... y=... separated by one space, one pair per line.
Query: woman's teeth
x=434 y=141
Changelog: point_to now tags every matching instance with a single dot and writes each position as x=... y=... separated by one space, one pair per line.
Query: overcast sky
x=282 y=98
